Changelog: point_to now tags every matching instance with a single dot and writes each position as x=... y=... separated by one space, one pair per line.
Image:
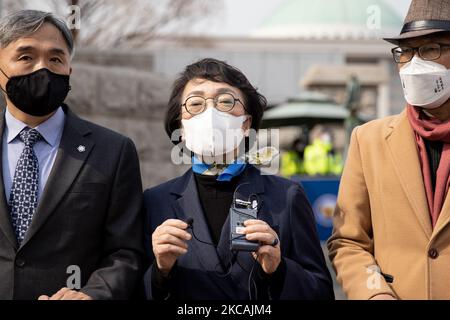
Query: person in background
x=292 y=160
x=320 y=157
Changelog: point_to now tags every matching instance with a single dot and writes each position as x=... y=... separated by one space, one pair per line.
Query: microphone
x=189 y=221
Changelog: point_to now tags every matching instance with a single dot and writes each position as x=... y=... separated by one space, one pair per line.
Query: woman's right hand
x=169 y=242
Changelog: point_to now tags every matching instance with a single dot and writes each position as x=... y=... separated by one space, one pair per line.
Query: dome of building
x=331 y=19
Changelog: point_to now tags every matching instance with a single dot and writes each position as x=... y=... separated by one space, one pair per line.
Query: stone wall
x=138 y=59
x=133 y=103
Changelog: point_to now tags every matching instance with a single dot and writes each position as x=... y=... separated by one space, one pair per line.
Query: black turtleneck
x=216 y=198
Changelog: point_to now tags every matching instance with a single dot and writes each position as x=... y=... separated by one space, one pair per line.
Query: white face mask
x=213 y=133
x=426 y=84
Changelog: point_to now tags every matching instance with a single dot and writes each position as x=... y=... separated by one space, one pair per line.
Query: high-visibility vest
x=291 y=164
x=336 y=164
x=316 y=158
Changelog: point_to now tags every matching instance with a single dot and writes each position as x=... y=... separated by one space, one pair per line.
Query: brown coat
x=382 y=218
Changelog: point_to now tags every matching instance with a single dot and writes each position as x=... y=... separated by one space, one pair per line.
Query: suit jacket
x=89 y=216
x=284 y=207
x=382 y=219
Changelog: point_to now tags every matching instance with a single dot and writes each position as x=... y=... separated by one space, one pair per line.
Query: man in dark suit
x=70 y=191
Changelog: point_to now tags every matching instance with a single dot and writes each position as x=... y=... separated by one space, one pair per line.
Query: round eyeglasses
x=224 y=102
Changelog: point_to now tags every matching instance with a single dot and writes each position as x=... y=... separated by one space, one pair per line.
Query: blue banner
x=322 y=194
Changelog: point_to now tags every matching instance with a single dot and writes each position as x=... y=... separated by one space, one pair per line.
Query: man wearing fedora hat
x=391 y=237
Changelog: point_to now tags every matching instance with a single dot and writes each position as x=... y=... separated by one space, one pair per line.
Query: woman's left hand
x=268 y=255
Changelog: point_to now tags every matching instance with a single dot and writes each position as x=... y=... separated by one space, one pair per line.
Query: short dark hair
x=217 y=71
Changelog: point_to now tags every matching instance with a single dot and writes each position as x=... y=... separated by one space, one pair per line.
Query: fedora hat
x=424 y=17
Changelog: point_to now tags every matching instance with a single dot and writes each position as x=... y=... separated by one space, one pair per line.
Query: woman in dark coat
x=194 y=256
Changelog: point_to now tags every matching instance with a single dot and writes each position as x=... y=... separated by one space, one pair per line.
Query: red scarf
x=434 y=130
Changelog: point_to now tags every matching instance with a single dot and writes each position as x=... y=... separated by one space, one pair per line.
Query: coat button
x=20 y=263
x=433 y=253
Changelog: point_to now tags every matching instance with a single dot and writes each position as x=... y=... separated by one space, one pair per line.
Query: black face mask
x=38 y=93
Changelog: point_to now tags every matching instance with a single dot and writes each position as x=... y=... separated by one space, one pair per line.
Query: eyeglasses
x=224 y=102
x=429 y=51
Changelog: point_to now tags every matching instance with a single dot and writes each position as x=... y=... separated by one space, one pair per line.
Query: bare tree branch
x=118 y=23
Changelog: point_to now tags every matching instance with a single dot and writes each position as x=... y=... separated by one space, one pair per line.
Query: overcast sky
x=240 y=17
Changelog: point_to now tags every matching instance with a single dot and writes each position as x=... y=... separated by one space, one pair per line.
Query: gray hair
x=25 y=22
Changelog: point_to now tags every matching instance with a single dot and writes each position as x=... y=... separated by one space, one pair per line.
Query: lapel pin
x=81 y=148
